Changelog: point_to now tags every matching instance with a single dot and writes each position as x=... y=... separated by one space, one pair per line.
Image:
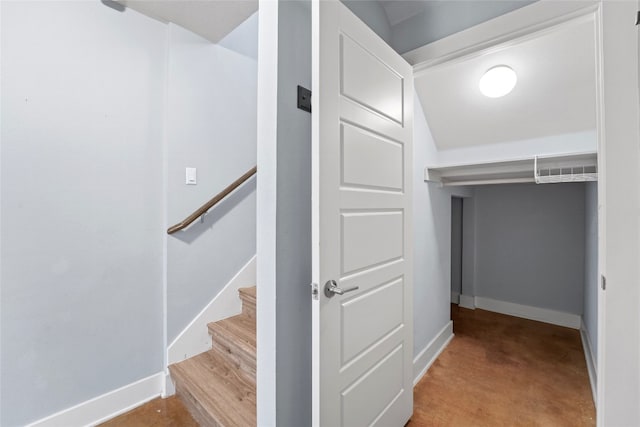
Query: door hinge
x=603 y=282
x=314 y=291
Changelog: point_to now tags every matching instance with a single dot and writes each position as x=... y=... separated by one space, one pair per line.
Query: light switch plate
x=191 y=176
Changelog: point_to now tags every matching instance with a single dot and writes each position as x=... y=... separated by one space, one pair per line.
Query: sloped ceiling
x=555 y=93
x=211 y=19
x=401 y=10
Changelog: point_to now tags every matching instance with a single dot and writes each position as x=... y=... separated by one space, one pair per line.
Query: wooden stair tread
x=239 y=331
x=218 y=393
x=248 y=294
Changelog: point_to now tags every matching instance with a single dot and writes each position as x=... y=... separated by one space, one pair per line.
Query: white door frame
x=620 y=406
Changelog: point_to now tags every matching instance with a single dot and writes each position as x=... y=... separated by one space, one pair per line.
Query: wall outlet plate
x=304 y=99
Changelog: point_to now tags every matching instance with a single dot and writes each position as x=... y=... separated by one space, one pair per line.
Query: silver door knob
x=331 y=288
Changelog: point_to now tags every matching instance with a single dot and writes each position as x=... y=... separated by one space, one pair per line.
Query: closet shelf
x=575 y=167
x=558 y=174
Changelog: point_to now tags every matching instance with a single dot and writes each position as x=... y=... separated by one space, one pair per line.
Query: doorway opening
x=456 y=248
x=529 y=251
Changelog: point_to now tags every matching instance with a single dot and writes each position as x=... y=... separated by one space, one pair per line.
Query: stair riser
x=193 y=406
x=218 y=386
x=240 y=358
x=248 y=298
x=249 y=309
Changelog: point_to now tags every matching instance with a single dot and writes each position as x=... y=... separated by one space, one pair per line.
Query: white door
x=362 y=152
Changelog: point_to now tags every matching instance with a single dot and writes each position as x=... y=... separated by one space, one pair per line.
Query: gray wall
x=530 y=242
x=432 y=240
x=82 y=290
x=284 y=223
x=81 y=188
x=372 y=13
x=456 y=245
x=468 y=246
x=211 y=125
x=293 y=223
x=443 y=18
x=590 y=315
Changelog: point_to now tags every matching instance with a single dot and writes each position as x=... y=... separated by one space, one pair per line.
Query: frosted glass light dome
x=498 y=81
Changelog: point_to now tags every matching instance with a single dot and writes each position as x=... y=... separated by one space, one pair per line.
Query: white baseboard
x=455 y=297
x=554 y=317
x=430 y=353
x=591 y=361
x=107 y=406
x=168 y=388
x=195 y=339
x=467 y=301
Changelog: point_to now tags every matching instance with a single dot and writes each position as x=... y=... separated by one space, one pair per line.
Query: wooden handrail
x=211 y=203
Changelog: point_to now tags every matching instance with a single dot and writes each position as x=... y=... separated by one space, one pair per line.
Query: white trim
x=467 y=301
x=554 y=317
x=455 y=297
x=266 y=201
x=423 y=361
x=504 y=30
x=601 y=219
x=431 y=176
x=590 y=359
x=106 y=406
x=195 y=339
x=168 y=387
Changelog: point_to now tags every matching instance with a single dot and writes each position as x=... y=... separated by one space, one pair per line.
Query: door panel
x=367 y=80
x=370 y=238
x=362 y=147
x=361 y=407
x=361 y=326
x=371 y=161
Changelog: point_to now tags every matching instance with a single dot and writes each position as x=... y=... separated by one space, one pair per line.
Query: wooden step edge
x=239 y=328
x=182 y=381
x=248 y=294
x=211 y=392
x=248 y=297
x=226 y=340
x=249 y=311
x=245 y=367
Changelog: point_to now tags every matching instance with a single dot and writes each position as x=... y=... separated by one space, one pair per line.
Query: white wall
x=211 y=125
x=432 y=240
x=590 y=313
x=530 y=242
x=580 y=142
x=284 y=223
x=81 y=188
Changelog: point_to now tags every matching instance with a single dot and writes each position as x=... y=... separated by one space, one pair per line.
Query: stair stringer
x=195 y=338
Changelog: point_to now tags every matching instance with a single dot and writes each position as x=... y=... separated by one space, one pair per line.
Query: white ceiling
x=211 y=19
x=555 y=93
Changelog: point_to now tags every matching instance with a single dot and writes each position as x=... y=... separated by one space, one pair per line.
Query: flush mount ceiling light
x=498 y=81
